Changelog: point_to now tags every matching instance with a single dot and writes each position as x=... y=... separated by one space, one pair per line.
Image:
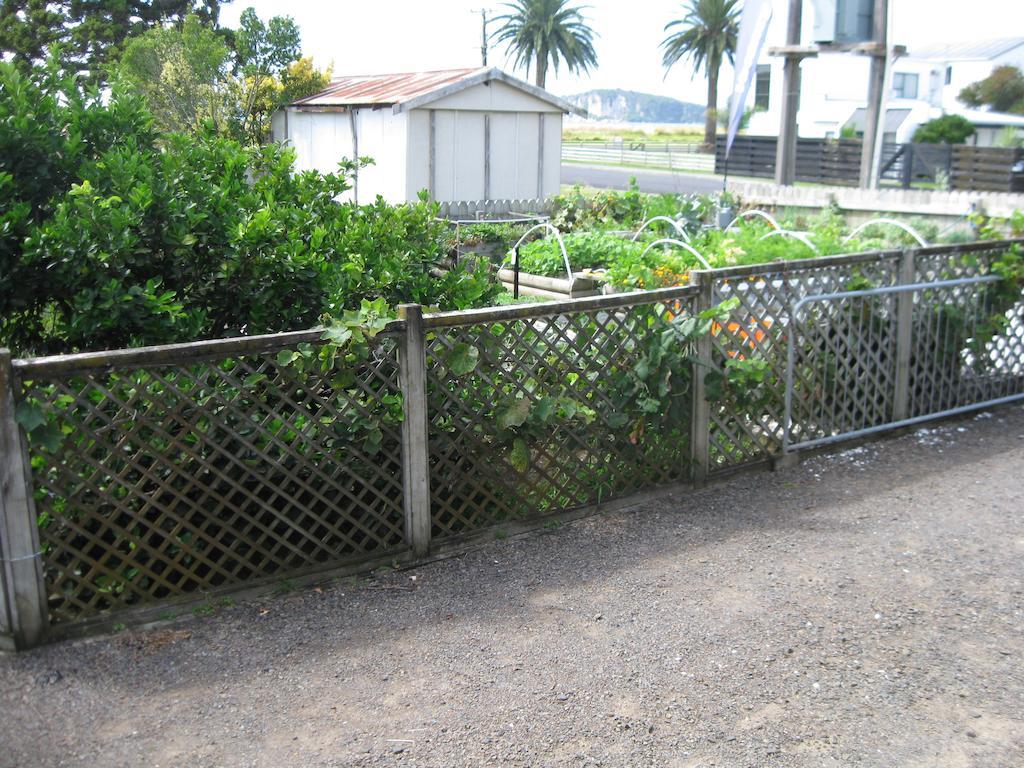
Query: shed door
x=459 y=159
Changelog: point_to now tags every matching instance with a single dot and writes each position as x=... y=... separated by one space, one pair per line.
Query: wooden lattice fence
x=137 y=479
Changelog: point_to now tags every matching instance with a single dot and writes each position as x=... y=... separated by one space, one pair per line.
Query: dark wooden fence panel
x=830 y=161
x=984 y=168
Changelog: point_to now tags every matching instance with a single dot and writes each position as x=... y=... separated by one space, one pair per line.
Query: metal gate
x=865 y=361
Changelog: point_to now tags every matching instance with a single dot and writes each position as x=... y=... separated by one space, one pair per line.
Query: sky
x=383 y=36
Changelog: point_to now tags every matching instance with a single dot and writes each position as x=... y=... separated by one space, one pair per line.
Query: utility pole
x=874 y=116
x=785 y=155
x=483 y=36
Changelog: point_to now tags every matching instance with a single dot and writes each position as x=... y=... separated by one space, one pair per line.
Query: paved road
x=864 y=609
x=608 y=177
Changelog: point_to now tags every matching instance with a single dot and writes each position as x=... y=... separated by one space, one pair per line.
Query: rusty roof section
x=384 y=90
x=408 y=90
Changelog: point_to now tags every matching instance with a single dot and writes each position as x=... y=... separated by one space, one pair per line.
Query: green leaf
x=617 y=420
x=337 y=334
x=462 y=359
x=520 y=456
x=643 y=369
x=373 y=441
x=48 y=436
x=515 y=415
x=546 y=408
x=286 y=357
x=29 y=415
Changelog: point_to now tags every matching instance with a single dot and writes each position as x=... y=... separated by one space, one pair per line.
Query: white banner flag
x=754 y=21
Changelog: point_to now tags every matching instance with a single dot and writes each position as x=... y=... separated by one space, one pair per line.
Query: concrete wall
x=904 y=201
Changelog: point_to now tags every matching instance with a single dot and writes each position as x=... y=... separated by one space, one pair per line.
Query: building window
x=949 y=75
x=904 y=86
x=762 y=86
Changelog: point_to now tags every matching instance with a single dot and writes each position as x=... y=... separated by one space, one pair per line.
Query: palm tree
x=546 y=32
x=706 y=35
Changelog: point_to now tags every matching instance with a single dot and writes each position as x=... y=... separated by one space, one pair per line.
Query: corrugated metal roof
x=983 y=50
x=385 y=90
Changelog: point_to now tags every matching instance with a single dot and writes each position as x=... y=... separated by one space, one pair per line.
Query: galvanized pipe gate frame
x=904 y=342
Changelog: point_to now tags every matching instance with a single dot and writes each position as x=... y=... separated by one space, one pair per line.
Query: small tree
x=180 y=73
x=546 y=33
x=264 y=51
x=948 y=129
x=1003 y=91
x=90 y=34
x=707 y=36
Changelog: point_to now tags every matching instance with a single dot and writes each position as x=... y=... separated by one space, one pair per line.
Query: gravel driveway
x=863 y=609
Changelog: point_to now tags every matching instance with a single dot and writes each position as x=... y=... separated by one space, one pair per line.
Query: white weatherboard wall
x=488 y=144
x=323 y=139
x=489 y=141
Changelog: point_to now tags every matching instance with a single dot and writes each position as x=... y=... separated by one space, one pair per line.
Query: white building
x=924 y=85
x=461 y=135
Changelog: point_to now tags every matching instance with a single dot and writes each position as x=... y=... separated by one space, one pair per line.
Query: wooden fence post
x=415 y=454
x=700 y=419
x=904 y=335
x=24 y=598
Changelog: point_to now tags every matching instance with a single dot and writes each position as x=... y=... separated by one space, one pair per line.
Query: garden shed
x=461 y=135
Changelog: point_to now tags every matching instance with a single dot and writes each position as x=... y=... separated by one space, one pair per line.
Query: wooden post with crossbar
x=23 y=593
x=904 y=335
x=700 y=420
x=415 y=430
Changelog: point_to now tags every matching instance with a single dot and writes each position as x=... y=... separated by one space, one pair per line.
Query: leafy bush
x=586 y=250
x=109 y=238
x=948 y=129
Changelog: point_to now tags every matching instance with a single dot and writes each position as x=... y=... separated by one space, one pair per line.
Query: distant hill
x=633 y=107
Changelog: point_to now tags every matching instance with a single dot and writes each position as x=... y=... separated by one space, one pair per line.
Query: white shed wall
x=494 y=96
x=459 y=157
x=417 y=172
x=382 y=136
x=400 y=146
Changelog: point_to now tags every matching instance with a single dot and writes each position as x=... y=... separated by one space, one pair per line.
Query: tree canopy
x=1003 y=91
x=90 y=34
x=546 y=33
x=191 y=80
x=706 y=36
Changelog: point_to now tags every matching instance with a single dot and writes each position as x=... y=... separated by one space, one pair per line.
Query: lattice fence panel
x=844 y=366
x=749 y=426
x=533 y=416
x=164 y=480
x=968 y=340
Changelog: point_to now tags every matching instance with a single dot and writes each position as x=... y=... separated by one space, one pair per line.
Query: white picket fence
x=674 y=156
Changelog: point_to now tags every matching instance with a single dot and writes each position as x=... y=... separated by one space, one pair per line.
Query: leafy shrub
x=586 y=250
x=109 y=238
x=948 y=129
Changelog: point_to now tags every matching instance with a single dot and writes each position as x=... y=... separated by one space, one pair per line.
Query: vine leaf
x=617 y=420
x=515 y=415
x=29 y=415
x=546 y=408
x=520 y=457
x=462 y=359
x=338 y=334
